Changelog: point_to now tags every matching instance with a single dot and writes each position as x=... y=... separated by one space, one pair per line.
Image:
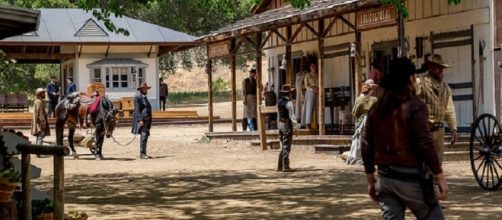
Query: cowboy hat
x=286 y=88
x=144 y=85
x=39 y=90
x=438 y=60
x=369 y=82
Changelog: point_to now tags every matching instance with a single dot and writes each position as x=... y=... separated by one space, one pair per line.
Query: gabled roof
x=14 y=21
x=280 y=17
x=67 y=25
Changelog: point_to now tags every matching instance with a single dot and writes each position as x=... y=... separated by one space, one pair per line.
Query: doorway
x=383 y=54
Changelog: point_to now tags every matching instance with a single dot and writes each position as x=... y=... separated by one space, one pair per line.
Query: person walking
x=436 y=94
x=163 y=93
x=53 y=93
x=71 y=86
x=39 y=122
x=361 y=108
x=311 y=86
x=249 y=99
x=286 y=123
x=397 y=139
x=142 y=118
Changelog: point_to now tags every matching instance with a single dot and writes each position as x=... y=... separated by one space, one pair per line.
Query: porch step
x=456 y=156
x=252 y=135
x=330 y=149
x=311 y=140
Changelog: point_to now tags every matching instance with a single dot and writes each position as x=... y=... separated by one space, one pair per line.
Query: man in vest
x=286 y=123
x=142 y=118
x=436 y=93
x=249 y=99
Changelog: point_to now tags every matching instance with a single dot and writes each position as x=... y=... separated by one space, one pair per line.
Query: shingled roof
x=287 y=15
x=76 y=26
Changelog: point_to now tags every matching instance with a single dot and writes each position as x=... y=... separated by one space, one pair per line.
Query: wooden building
x=89 y=53
x=348 y=34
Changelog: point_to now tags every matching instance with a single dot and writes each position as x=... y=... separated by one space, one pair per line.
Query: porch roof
x=287 y=15
x=14 y=20
x=117 y=62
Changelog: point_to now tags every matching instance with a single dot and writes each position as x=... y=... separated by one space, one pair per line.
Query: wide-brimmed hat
x=144 y=85
x=39 y=90
x=369 y=82
x=438 y=60
x=286 y=88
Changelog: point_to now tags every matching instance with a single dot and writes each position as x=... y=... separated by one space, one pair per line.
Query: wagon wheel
x=485 y=152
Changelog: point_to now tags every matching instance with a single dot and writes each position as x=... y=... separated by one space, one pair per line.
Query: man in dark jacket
x=53 y=93
x=286 y=123
x=163 y=93
x=142 y=118
x=71 y=86
x=398 y=141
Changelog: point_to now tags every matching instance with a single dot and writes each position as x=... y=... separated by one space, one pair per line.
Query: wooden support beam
x=209 y=71
x=80 y=50
x=297 y=31
x=327 y=29
x=254 y=44
x=261 y=121
x=43 y=150
x=289 y=60
x=347 y=22
x=39 y=56
x=320 y=98
x=108 y=49
x=269 y=34
x=307 y=25
x=357 y=64
x=26 y=184
x=59 y=187
x=234 y=85
x=238 y=45
x=285 y=39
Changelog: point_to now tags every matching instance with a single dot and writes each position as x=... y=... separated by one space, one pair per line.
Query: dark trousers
x=286 y=138
x=244 y=124
x=52 y=108
x=144 y=134
x=163 y=100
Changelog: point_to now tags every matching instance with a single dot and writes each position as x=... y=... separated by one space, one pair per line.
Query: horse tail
x=60 y=122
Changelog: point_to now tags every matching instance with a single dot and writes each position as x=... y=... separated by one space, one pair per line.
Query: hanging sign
x=218 y=49
x=376 y=17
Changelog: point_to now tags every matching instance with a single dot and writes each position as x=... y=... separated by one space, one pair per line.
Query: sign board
x=218 y=49
x=376 y=17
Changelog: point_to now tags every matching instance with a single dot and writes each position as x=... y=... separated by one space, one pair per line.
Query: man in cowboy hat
x=286 y=123
x=39 y=123
x=142 y=118
x=249 y=97
x=436 y=93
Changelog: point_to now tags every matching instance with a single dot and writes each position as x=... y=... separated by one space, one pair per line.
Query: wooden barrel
x=8 y=211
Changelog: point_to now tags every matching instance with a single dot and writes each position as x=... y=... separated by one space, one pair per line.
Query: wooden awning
x=16 y=21
x=280 y=17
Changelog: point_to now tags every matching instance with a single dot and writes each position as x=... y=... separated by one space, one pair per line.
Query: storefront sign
x=377 y=17
x=218 y=49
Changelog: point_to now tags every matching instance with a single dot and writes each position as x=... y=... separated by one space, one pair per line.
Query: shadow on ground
x=306 y=194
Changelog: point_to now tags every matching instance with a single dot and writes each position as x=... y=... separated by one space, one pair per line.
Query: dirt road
x=190 y=178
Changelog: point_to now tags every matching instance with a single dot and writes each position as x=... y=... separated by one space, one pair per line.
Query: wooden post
x=261 y=121
x=402 y=50
x=58 y=187
x=26 y=185
x=357 y=67
x=234 y=86
x=209 y=71
x=289 y=60
x=320 y=98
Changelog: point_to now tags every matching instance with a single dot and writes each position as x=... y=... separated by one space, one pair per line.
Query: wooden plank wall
x=498 y=22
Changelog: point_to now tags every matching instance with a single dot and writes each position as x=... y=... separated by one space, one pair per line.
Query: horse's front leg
x=100 y=138
x=71 y=133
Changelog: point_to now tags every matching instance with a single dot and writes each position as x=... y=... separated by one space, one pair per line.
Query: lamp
x=284 y=62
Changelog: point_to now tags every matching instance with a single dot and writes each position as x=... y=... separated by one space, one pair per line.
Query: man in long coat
x=39 y=123
x=142 y=118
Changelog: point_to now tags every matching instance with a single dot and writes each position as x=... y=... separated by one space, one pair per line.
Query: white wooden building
x=88 y=52
x=464 y=34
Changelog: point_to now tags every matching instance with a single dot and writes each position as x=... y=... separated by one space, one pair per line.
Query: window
x=96 y=75
x=141 y=76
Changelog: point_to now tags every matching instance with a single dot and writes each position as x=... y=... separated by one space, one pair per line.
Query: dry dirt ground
x=189 y=178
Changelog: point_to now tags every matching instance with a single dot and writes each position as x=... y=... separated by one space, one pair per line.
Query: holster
x=427 y=185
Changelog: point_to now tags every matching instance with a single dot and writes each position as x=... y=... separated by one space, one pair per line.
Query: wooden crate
x=117 y=104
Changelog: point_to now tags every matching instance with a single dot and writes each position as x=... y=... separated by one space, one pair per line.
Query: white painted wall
x=83 y=76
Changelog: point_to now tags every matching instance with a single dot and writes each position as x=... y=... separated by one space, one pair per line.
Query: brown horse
x=73 y=110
